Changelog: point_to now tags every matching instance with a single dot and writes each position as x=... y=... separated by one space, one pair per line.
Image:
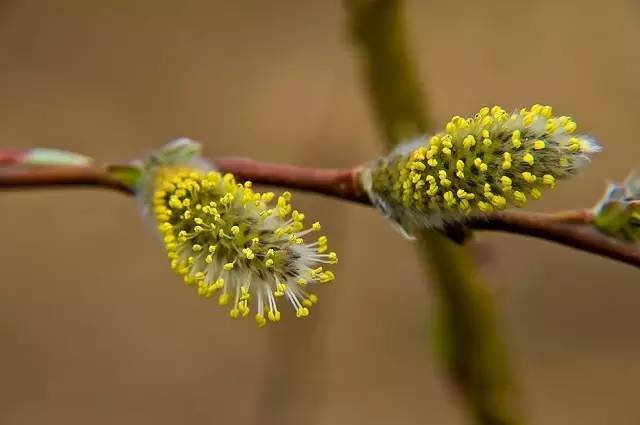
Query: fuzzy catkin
x=477 y=165
x=225 y=239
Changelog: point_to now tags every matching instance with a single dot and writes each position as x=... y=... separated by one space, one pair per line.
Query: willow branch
x=340 y=182
x=60 y=177
x=579 y=234
x=570 y=228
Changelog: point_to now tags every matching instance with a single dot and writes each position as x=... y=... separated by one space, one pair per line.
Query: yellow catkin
x=250 y=249
x=520 y=154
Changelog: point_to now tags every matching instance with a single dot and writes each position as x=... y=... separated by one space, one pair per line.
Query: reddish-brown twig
x=338 y=182
x=570 y=228
x=577 y=233
x=52 y=177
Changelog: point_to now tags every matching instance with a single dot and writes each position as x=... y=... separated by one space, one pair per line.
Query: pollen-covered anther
x=481 y=164
x=224 y=238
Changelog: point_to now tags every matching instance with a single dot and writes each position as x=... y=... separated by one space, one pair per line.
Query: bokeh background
x=94 y=328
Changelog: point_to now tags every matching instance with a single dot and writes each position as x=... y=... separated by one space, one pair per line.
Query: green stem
x=472 y=347
x=377 y=27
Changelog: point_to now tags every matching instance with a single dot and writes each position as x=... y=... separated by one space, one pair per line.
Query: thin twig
x=53 y=177
x=570 y=228
x=339 y=182
x=577 y=234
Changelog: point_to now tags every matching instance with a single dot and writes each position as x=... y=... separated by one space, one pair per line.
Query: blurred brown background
x=95 y=329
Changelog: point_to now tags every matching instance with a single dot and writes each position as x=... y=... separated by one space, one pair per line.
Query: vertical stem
x=378 y=29
x=471 y=345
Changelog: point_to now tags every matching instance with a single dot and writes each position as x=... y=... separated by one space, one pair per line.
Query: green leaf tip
x=46 y=156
